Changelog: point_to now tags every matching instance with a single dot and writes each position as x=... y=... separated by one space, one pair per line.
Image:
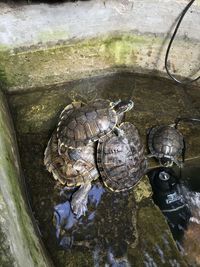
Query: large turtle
x=80 y=124
x=166 y=144
x=120 y=158
x=73 y=170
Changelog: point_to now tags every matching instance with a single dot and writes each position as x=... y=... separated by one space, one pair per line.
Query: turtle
x=73 y=170
x=81 y=123
x=120 y=158
x=166 y=144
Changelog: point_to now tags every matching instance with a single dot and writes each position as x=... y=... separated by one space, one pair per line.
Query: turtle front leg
x=80 y=199
x=118 y=131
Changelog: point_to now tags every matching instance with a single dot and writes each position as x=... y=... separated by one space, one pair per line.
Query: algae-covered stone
x=156 y=246
x=20 y=245
x=143 y=189
x=75 y=258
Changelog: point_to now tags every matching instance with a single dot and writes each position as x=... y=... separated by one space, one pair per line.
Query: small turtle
x=80 y=124
x=166 y=144
x=72 y=170
x=120 y=158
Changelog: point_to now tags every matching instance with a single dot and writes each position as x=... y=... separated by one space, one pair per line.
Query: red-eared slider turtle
x=120 y=158
x=166 y=144
x=77 y=170
x=80 y=124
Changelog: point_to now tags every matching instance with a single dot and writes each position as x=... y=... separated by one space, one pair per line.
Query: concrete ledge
x=20 y=245
x=50 y=44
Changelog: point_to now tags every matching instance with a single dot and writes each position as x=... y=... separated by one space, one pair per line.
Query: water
x=191 y=187
x=117 y=230
x=183 y=216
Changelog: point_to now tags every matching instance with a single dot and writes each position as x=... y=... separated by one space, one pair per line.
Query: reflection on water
x=65 y=219
x=102 y=229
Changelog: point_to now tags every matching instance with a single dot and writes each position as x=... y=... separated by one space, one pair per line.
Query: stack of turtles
x=91 y=142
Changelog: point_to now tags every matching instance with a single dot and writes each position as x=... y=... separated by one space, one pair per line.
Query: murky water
x=105 y=236
x=191 y=188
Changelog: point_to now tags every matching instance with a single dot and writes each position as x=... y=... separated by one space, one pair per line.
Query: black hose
x=170 y=43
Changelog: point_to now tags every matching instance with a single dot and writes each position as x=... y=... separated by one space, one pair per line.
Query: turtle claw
x=178 y=163
x=79 y=208
x=80 y=199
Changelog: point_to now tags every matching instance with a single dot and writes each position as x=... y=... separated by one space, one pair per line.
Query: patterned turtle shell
x=80 y=124
x=120 y=158
x=71 y=172
x=165 y=141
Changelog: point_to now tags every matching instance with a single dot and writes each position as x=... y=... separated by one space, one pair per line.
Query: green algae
x=54 y=34
x=6 y=257
x=60 y=63
x=142 y=190
x=36 y=66
x=76 y=258
x=18 y=228
x=3 y=78
x=156 y=246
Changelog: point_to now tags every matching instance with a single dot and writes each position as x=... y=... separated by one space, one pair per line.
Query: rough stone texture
x=33 y=24
x=19 y=244
x=142 y=190
x=155 y=244
x=89 y=37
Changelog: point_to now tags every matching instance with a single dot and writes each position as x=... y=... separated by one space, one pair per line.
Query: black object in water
x=167 y=194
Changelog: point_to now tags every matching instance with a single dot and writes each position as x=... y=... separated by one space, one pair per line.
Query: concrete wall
x=19 y=246
x=91 y=37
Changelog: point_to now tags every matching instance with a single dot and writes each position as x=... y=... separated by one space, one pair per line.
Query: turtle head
x=122 y=106
x=166 y=162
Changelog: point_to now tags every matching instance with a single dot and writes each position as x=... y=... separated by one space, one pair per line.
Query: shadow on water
x=109 y=227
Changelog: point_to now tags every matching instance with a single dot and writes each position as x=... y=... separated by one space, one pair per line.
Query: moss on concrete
x=6 y=257
x=34 y=66
x=16 y=225
x=4 y=54
x=156 y=246
x=39 y=67
x=75 y=258
x=54 y=34
x=142 y=190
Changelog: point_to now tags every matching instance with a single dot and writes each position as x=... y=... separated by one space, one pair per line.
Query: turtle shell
x=67 y=171
x=78 y=126
x=120 y=158
x=165 y=141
